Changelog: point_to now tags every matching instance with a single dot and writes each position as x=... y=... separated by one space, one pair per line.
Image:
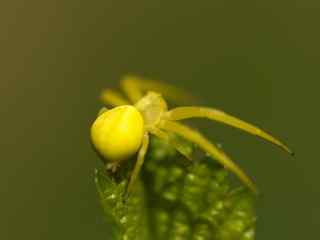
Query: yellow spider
x=121 y=132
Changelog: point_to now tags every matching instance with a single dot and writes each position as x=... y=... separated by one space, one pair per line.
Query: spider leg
x=113 y=98
x=180 y=113
x=164 y=136
x=210 y=148
x=134 y=86
x=141 y=154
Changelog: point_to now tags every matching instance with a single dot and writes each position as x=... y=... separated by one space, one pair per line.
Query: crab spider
x=123 y=131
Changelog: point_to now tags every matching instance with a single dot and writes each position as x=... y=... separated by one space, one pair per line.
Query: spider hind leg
x=181 y=113
x=210 y=148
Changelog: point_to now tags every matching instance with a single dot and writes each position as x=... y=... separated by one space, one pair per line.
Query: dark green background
x=256 y=59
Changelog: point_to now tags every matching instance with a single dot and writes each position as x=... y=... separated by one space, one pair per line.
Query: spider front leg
x=132 y=88
x=207 y=146
x=141 y=154
x=165 y=137
x=113 y=98
x=180 y=113
x=135 y=87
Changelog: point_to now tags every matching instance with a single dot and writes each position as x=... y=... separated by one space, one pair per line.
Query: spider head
x=152 y=106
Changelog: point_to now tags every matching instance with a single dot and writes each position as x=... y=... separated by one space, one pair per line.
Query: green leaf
x=176 y=199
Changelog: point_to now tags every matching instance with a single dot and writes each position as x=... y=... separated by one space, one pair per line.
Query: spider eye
x=117 y=133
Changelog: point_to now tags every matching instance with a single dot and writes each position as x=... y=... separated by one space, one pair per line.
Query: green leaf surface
x=176 y=199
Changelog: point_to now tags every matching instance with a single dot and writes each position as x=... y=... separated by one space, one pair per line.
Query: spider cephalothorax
x=121 y=132
x=152 y=107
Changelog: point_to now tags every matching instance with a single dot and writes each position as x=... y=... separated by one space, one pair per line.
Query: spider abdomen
x=117 y=133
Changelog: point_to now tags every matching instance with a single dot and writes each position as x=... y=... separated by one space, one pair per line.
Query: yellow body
x=117 y=133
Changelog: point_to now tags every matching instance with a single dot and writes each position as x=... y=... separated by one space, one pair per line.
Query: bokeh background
x=256 y=59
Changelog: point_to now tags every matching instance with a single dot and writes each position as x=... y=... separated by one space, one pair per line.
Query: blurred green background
x=256 y=59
